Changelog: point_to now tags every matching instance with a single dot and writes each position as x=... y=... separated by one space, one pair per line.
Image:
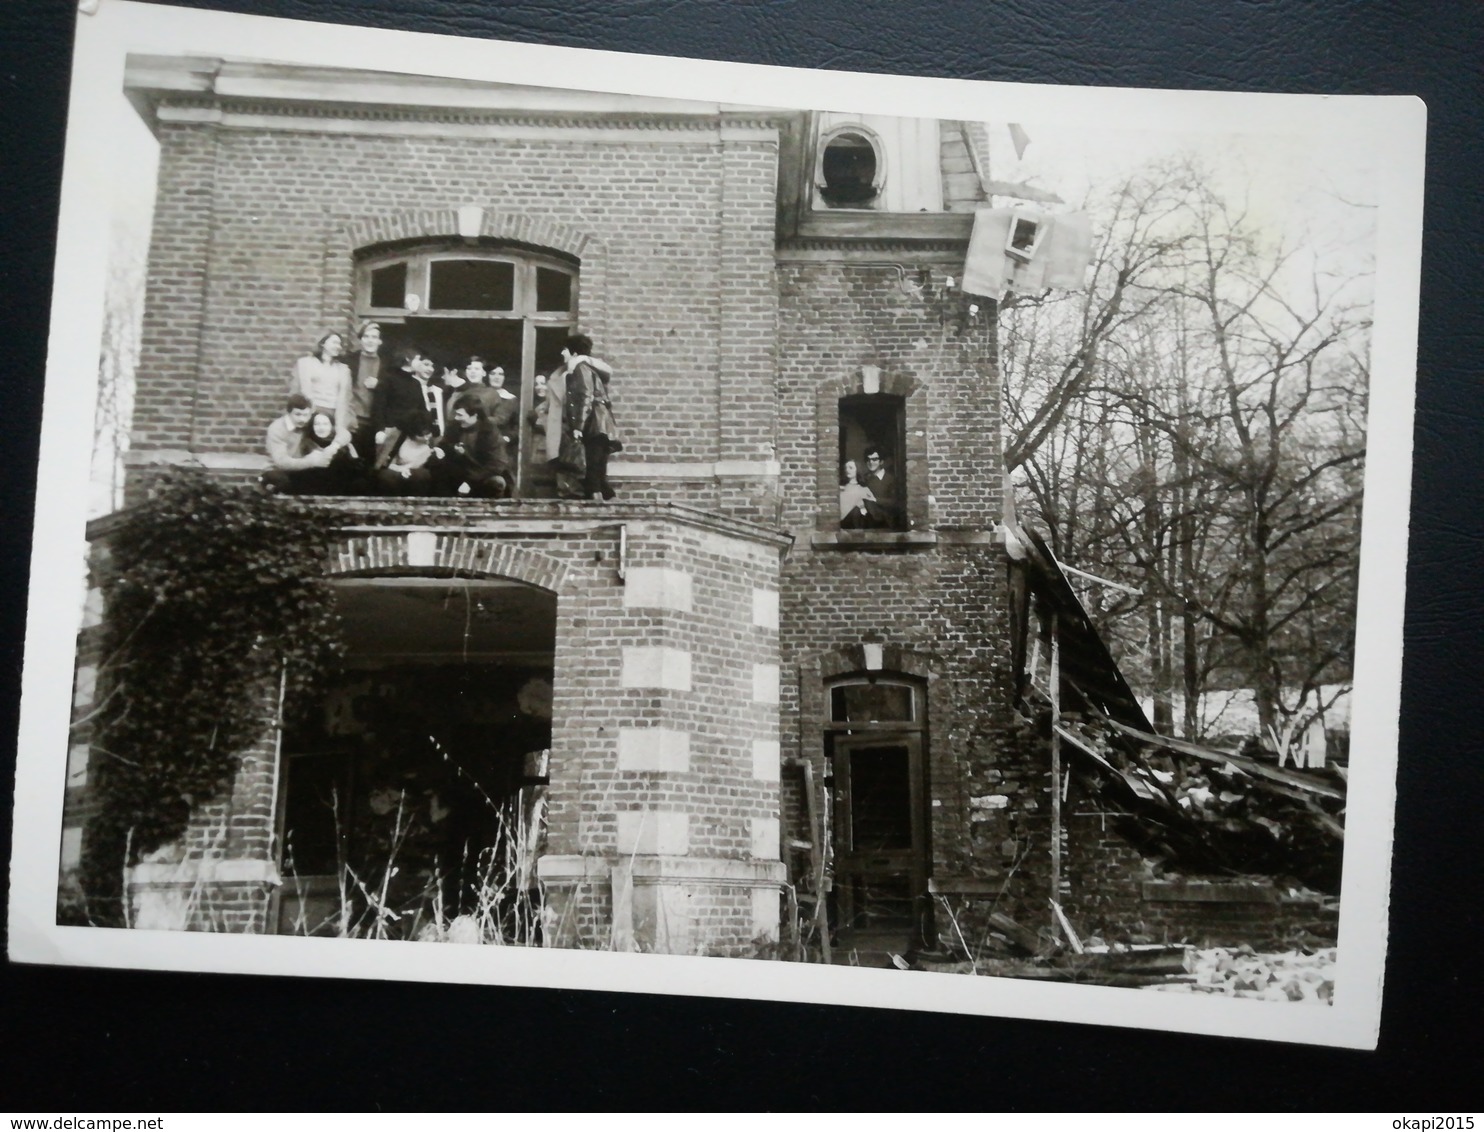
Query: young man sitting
x=474 y=457
x=295 y=471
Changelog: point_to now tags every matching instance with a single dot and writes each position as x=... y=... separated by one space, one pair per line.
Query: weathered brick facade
x=702 y=619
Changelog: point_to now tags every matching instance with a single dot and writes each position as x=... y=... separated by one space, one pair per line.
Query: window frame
x=885 y=404
x=422 y=254
x=917 y=723
x=878 y=179
x=420 y=260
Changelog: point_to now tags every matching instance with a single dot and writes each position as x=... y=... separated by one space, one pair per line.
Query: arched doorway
x=411 y=794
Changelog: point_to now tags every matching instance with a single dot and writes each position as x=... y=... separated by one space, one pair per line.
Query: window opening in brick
x=415 y=794
x=510 y=306
x=471 y=285
x=849 y=169
x=873 y=493
x=389 y=285
x=872 y=703
x=875 y=742
x=553 y=290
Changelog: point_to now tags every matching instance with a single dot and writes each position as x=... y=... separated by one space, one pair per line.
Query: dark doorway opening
x=507 y=343
x=411 y=799
x=881 y=839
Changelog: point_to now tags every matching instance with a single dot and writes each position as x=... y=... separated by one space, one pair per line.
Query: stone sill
x=873 y=540
x=904 y=540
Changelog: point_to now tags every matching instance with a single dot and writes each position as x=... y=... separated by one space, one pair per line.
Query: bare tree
x=1193 y=430
x=118 y=355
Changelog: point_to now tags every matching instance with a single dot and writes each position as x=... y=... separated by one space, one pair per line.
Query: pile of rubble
x=1241 y=972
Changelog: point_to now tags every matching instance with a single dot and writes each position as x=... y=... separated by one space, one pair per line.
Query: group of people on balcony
x=357 y=423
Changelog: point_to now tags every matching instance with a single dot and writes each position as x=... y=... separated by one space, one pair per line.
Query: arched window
x=851 y=168
x=510 y=305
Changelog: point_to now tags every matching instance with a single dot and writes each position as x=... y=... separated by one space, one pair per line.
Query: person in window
x=474 y=460
x=883 y=512
x=325 y=380
x=365 y=366
x=587 y=416
x=293 y=467
x=408 y=389
x=854 y=496
x=408 y=457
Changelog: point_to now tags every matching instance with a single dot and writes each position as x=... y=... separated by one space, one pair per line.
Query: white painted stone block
x=656 y=666
x=765 y=913
x=71 y=847
x=77 y=764
x=653 y=748
x=92 y=608
x=765 y=609
x=764 y=838
x=653 y=831
x=422 y=548
x=767 y=755
x=657 y=587
x=765 y=683
x=87 y=684
x=873 y=657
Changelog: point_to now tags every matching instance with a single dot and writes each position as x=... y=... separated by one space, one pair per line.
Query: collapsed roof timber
x=1196 y=807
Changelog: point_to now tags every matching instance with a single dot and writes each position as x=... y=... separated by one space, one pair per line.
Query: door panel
x=881 y=843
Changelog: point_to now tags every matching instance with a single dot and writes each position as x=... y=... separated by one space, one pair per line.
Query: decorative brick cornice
x=847 y=249
x=623 y=120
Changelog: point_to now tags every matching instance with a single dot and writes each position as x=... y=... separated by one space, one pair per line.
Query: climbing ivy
x=216 y=597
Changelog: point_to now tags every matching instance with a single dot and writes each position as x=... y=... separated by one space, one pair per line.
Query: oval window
x=848 y=170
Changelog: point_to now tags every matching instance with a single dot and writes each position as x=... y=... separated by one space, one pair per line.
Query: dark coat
x=397 y=394
x=475 y=454
x=886 y=512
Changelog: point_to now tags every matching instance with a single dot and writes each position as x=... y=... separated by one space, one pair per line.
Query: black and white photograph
x=519 y=515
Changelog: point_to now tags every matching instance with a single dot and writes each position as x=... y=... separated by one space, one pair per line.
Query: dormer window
x=1024 y=236
x=851 y=168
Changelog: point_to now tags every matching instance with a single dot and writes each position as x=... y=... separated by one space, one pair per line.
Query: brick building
x=750 y=725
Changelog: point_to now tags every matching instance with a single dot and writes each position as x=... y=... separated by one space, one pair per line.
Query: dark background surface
x=79 y=1040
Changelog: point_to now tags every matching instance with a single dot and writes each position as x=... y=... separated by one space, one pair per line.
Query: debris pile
x=1215 y=811
x=1289 y=976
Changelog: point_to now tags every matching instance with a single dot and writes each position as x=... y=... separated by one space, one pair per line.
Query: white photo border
x=1393 y=126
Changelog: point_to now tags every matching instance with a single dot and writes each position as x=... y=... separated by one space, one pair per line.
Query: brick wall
x=665 y=719
x=251 y=261
x=937 y=602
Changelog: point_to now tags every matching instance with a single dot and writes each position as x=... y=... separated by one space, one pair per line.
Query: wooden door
x=881 y=845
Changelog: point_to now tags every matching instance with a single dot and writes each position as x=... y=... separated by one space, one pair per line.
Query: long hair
x=319 y=346
x=311 y=439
